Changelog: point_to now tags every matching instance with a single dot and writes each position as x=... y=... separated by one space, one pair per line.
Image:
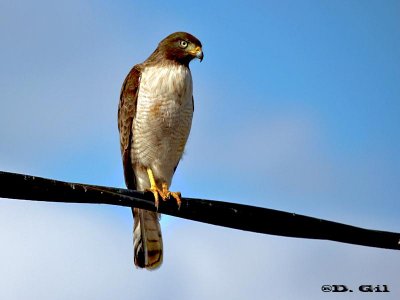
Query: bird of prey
x=154 y=119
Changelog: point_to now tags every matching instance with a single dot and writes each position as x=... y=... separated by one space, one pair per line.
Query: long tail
x=147 y=240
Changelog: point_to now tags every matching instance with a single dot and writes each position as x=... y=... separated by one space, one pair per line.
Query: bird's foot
x=164 y=192
x=166 y=195
x=156 y=192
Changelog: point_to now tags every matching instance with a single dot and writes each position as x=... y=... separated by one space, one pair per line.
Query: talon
x=167 y=194
x=177 y=197
x=155 y=194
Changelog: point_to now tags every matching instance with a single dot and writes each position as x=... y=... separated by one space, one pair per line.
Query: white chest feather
x=166 y=83
x=163 y=120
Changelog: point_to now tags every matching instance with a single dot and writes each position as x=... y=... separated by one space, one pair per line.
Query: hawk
x=154 y=118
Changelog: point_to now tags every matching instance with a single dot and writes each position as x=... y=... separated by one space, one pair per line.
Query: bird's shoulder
x=131 y=82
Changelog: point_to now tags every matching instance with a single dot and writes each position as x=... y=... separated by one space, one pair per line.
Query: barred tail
x=147 y=240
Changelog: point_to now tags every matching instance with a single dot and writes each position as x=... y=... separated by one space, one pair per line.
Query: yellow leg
x=153 y=186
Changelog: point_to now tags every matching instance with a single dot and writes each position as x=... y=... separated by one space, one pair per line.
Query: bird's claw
x=156 y=193
x=164 y=192
x=166 y=195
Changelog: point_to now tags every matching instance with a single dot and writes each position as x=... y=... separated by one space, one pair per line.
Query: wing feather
x=126 y=115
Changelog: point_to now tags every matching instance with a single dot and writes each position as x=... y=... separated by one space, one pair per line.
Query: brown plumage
x=154 y=119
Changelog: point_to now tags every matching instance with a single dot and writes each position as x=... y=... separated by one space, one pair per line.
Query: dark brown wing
x=126 y=114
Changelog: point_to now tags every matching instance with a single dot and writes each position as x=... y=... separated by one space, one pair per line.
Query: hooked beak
x=198 y=53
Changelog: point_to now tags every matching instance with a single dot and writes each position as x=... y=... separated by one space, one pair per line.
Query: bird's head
x=181 y=47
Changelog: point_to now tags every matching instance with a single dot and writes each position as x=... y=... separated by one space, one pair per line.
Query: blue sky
x=297 y=107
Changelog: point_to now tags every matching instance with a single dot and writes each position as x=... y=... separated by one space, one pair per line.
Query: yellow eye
x=183 y=44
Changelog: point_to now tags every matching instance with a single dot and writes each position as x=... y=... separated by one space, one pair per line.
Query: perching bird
x=154 y=119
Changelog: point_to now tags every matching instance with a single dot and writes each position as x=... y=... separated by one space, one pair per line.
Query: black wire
x=238 y=216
